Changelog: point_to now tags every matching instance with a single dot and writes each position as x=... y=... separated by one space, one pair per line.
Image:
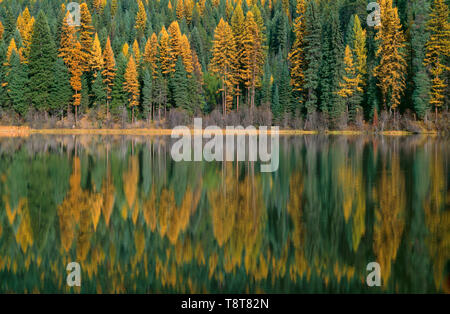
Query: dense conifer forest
x=301 y=64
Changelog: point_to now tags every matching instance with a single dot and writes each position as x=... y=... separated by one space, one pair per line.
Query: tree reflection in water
x=137 y=221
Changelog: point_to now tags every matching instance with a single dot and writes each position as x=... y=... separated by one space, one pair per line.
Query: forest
x=299 y=64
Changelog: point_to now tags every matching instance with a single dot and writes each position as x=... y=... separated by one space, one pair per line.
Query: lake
x=136 y=221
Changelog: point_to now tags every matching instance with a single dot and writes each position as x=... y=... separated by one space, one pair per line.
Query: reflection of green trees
x=437 y=213
x=138 y=222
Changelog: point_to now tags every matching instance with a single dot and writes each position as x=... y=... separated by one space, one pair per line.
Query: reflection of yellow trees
x=183 y=251
x=11 y=213
x=350 y=181
x=130 y=185
x=139 y=242
x=24 y=234
x=108 y=193
x=389 y=216
x=79 y=208
x=438 y=220
x=238 y=216
x=343 y=271
x=173 y=220
x=166 y=272
x=167 y=206
x=224 y=204
x=250 y=220
x=294 y=208
x=179 y=219
x=149 y=210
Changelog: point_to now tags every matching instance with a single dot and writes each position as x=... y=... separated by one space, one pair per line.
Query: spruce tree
x=119 y=96
x=276 y=106
x=332 y=68
x=285 y=89
x=18 y=85
x=41 y=62
x=85 y=101
x=266 y=85
x=61 y=91
x=98 y=91
x=419 y=37
x=179 y=87
x=3 y=95
x=147 y=93
x=313 y=56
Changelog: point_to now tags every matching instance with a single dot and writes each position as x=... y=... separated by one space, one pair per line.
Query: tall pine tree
x=41 y=62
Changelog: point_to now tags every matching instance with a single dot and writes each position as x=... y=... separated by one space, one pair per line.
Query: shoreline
x=13 y=131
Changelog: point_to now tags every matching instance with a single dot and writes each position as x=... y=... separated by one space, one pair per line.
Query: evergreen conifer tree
x=41 y=62
x=18 y=85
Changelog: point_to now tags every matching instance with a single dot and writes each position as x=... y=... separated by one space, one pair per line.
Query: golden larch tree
x=69 y=51
x=237 y=25
x=67 y=42
x=2 y=30
x=109 y=72
x=151 y=53
x=98 y=6
x=136 y=51
x=141 y=19
x=175 y=39
x=76 y=72
x=228 y=9
x=96 y=60
x=23 y=20
x=391 y=69
x=25 y=23
x=186 y=54
x=180 y=10
x=114 y=6
x=223 y=62
x=359 y=48
x=86 y=36
x=201 y=7
x=253 y=57
x=351 y=80
x=297 y=55
x=131 y=85
x=125 y=49
x=11 y=48
x=437 y=50
x=165 y=53
x=188 y=9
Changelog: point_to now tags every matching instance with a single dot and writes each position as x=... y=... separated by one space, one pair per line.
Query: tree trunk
x=224 y=97
x=107 y=107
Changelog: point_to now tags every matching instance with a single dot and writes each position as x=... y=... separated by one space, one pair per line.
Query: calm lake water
x=138 y=222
